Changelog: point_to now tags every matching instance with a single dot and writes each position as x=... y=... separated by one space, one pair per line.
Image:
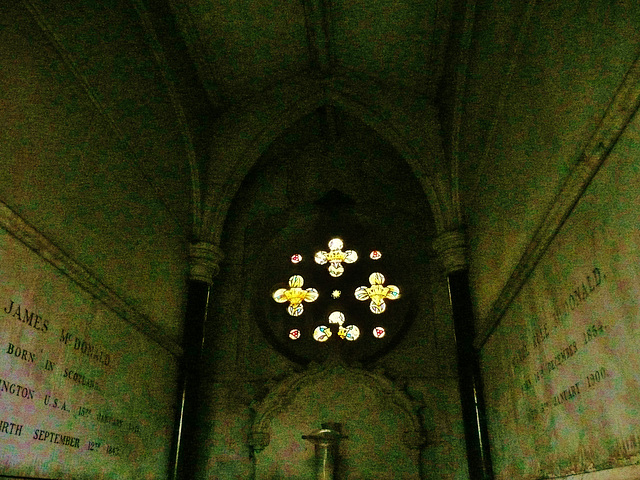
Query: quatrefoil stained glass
x=343 y=325
x=335 y=256
x=295 y=295
x=377 y=293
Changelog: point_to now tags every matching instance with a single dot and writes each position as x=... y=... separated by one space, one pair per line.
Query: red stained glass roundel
x=378 y=332
x=296 y=258
x=294 y=334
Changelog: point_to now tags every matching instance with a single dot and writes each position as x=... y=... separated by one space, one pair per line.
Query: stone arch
x=283 y=394
x=245 y=133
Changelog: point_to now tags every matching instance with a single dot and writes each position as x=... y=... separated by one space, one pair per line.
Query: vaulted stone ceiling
x=243 y=47
x=262 y=58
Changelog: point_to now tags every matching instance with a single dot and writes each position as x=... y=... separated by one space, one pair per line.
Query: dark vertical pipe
x=184 y=448
x=469 y=378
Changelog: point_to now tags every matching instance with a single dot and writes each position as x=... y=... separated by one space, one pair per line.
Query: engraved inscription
x=117 y=422
x=562 y=356
x=16 y=389
x=22 y=314
x=627 y=447
x=521 y=354
x=596 y=377
x=80 y=379
x=79 y=345
x=83 y=411
x=109 y=449
x=93 y=446
x=540 y=334
x=567 y=394
x=55 y=403
x=62 y=364
x=579 y=294
x=52 y=437
x=534 y=380
x=592 y=333
x=10 y=428
x=112 y=450
x=21 y=353
x=103 y=418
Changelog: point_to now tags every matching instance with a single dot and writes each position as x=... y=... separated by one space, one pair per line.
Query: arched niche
x=381 y=423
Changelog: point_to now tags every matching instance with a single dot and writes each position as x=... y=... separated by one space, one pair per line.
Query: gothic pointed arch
x=245 y=132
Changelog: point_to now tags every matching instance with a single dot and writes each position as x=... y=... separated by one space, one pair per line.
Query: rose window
x=337 y=278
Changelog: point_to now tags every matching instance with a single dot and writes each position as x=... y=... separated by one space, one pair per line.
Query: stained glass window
x=350 y=332
x=345 y=324
x=321 y=333
x=377 y=293
x=336 y=317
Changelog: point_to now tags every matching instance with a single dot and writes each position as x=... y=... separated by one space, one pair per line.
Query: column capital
x=204 y=261
x=451 y=249
x=259 y=440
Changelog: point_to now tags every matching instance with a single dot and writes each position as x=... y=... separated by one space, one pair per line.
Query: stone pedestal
x=326 y=441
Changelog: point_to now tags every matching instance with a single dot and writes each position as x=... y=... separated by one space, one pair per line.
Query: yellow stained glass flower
x=377 y=293
x=335 y=256
x=295 y=295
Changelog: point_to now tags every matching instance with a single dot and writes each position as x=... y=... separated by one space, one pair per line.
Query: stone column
x=451 y=250
x=204 y=261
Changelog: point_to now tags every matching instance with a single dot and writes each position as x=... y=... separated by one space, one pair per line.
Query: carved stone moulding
x=282 y=394
x=204 y=261
x=452 y=251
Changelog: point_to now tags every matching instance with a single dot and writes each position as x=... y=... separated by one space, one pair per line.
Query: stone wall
x=83 y=392
x=561 y=369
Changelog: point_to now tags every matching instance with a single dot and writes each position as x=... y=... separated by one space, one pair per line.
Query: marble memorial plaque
x=562 y=370
x=83 y=394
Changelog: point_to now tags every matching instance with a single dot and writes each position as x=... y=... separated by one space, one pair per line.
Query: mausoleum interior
x=320 y=239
